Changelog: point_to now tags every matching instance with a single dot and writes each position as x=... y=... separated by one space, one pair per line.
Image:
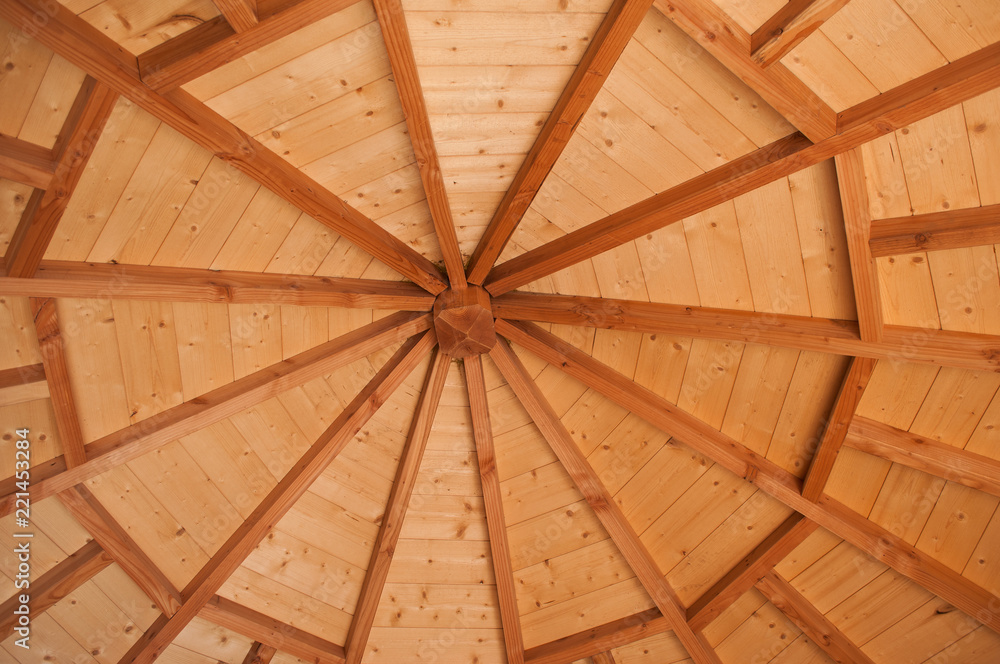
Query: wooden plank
x=214 y=43
x=857 y=220
x=81 y=566
x=621 y=22
x=411 y=96
x=823 y=335
x=88 y=48
x=240 y=14
x=50 y=345
x=26 y=375
x=811 y=620
x=280 y=499
x=729 y=43
x=789 y=27
x=920 y=98
x=83 y=127
x=851 y=391
x=748 y=571
x=26 y=163
x=847 y=524
x=66 y=279
x=948 y=229
x=926 y=454
x=150 y=434
x=243 y=620
x=482 y=429
x=395 y=511
x=259 y=654
x=121 y=548
x=599 y=639
x=601 y=501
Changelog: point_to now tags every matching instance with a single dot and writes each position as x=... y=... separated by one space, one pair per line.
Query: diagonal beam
x=21 y=384
x=925 y=454
x=243 y=620
x=847 y=524
x=241 y=15
x=730 y=44
x=91 y=50
x=395 y=511
x=789 y=27
x=67 y=279
x=748 y=571
x=602 y=502
x=150 y=434
x=411 y=96
x=259 y=654
x=811 y=620
x=621 y=22
x=496 y=524
x=282 y=497
x=81 y=566
x=920 y=98
x=604 y=658
x=851 y=391
x=26 y=163
x=899 y=344
x=948 y=229
x=599 y=639
x=80 y=133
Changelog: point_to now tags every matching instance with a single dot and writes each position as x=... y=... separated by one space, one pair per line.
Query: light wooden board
x=138 y=27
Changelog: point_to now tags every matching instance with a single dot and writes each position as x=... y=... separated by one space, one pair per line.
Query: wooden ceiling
x=744 y=406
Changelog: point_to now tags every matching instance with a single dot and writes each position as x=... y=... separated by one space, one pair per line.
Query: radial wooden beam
x=243 y=620
x=21 y=384
x=857 y=221
x=871 y=538
x=851 y=391
x=395 y=511
x=599 y=639
x=730 y=44
x=150 y=434
x=88 y=48
x=789 y=27
x=241 y=15
x=496 y=524
x=899 y=344
x=212 y=44
x=811 y=620
x=925 y=454
x=607 y=45
x=604 y=658
x=259 y=654
x=82 y=130
x=948 y=229
x=81 y=566
x=26 y=163
x=748 y=571
x=411 y=96
x=922 y=97
x=602 y=502
x=282 y=497
x=65 y=279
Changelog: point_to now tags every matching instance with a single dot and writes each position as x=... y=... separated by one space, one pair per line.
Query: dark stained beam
x=789 y=27
x=948 y=229
x=26 y=163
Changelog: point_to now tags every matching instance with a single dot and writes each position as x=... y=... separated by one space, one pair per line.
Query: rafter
x=748 y=571
x=81 y=566
x=851 y=391
x=857 y=222
x=601 y=501
x=922 y=97
x=244 y=620
x=395 y=511
x=21 y=384
x=811 y=620
x=727 y=42
x=65 y=279
x=599 y=639
x=899 y=344
x=26 y=163
x=80 y=133
x=241 y=15
x=496 y=524
x=607 y=45
x=212 y=44
x=948 y=229
x=259 y=654
x=604 y=658
x=925 y=454
x=867 y=536
x=789 y=27
x=94 y=52
x=282 y=497
x=132 y=442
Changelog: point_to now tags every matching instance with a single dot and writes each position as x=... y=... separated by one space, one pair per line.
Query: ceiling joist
x=240 y=14
x=934 y=231
x=26 y=163
x=789 y=27
x=259 y=654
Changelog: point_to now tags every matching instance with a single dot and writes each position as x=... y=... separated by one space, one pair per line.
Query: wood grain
x=935 y=231
x=259 y=654
x=240 y=14
x=599 y=639
x=26 y=163
x=789 y=27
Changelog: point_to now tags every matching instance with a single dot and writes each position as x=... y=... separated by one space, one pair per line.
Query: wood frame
x=26 y=162
x=934 y=231
x=789 y=27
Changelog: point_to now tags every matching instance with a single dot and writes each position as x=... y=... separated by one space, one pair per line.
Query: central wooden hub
x=463 y=319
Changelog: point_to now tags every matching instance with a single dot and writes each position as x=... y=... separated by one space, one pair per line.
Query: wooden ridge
x=599 y=639
x=66 y=279
x=789 y=27
x=26 y=163
x=934 y=231
x=620 y=23
x=281 y=498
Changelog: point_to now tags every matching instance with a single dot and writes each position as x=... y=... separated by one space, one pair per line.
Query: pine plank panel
x=659 y=484
x=764 y=634
x=758 y=396
x=25 y=63
x=888 y=194
x=956 y=28
x=735 y=616
x=942 y=418
x=306 y=247
x=442 y=562
x=204 y=346
x=14 y=198
x=426 y=605
x=138 y=28
x=880 y=604
x=213 y=641
x=256 y=337
x=837 y=576
x=18 y=325
x=661 y=362
x=46 y=444
x=332 y=528
x=96 y=623
x=664 y=648
x=716 y=248
x=982 y=567
x=453 y=644
x=984 y=439
x=521 y=89
x=147 y=343
x=907 y=291
x=966 y=284
x=50 y=639
x=978 y=647
x=52 y=104
x=626 y=451
x=711 y=373
x=921 y=634
x=264 y=224
x=982 y=115
x=536 y=492
x=560 y=531
x=956 y=525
